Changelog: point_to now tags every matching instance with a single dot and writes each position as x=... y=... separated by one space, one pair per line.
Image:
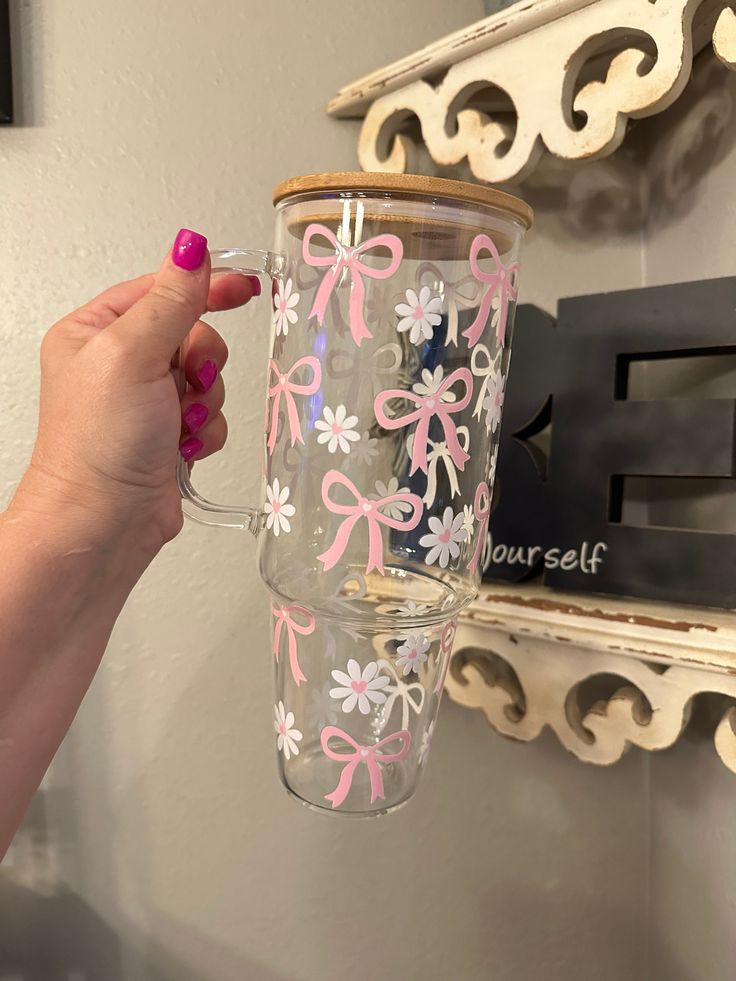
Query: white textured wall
x=162 y=847
x=691 y=234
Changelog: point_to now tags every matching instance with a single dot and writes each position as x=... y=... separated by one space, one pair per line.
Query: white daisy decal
x=496 y=307
x=493 y=402
x=331 y=647
x=468 y=520
x=444 y=538
x=412 y=653
x=277 y=508
x=360 y=687
x=284 y=301
x=321 y=711
x=337 y=429
x=366 y=449
x=412 y=609
x=419 y=315
x=430 y=383
x=378 y=306
x=287 y=735
x=424 y=746
x=492 y=468
x=396 y=509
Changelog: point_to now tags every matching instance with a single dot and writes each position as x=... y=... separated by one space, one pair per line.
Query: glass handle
x=195 y=506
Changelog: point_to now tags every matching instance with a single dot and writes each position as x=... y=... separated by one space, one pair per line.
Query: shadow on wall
x=26 y=45
x=651 y=181
x=689 y=139
x=589 y=200
x=197 y=954
x=651 y=178
x=534 y=879
x=693 y=860
x=47 y=930
x=44 y=937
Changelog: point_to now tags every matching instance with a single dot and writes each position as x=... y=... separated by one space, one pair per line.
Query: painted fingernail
x=206 y=375
x=256 y=285
x=195 y=417
x=189 y=249
x=189 y=447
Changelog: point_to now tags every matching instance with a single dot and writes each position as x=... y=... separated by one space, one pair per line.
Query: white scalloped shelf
x=547 y=646
x=702 y=636
x=596 y=63
x=565 y=76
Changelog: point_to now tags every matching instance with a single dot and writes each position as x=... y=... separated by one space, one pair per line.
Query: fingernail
x=206 y=375
x=189 y=447
x=189 y=250
x=256 y=284
x=195 y=417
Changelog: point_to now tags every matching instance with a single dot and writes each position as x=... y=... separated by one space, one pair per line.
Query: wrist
x=62 y=517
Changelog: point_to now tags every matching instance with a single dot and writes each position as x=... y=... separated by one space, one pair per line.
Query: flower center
x=444 y=537
x=359 y=687
x=282 y=728
x=418 y=313
x=276 y=506
x=282 y=306
x=413 y=653
x=336 y=429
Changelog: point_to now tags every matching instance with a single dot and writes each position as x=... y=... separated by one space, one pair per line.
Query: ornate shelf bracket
x=601 y=674
x=565 y=75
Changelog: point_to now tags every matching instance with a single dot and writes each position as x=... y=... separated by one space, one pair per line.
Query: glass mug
x=393 y=300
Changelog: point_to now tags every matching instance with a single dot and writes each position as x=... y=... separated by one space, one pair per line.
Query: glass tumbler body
x=391 y=317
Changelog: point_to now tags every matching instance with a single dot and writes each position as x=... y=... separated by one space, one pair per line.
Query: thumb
x=163 y=317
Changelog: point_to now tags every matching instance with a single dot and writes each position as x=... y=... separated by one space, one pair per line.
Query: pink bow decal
x=447 y=639
x=426 y=407
x=459 y=294
x=482 y=513
x=364 y=508
x=363 y=754
x=285 y=385
x=501 y=281
x=348 y=258
x=283 y=615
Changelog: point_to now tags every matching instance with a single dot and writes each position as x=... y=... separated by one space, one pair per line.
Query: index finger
x=231 y=289
x=227 y=291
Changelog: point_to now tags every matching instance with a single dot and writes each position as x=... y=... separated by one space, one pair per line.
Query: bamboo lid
x=409 y=184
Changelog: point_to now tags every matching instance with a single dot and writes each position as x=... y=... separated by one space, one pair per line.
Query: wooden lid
x=434 y=187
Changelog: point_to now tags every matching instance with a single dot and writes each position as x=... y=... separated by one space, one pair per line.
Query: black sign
x=560 y=511
x=6 y=82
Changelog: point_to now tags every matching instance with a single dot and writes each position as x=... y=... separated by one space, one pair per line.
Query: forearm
x=61 y=590
x=100 y=496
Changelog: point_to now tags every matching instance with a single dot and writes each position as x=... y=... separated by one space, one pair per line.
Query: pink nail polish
x=189 y=250
x=195 y=417
x=256 y=284
x=189 y=447
x=206 y=375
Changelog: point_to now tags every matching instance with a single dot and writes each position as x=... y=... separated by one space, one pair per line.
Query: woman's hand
x=100 y=496
x=111 y=421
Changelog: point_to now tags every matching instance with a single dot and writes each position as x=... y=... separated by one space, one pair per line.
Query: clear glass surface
x=391 y=317
x=385 y=391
